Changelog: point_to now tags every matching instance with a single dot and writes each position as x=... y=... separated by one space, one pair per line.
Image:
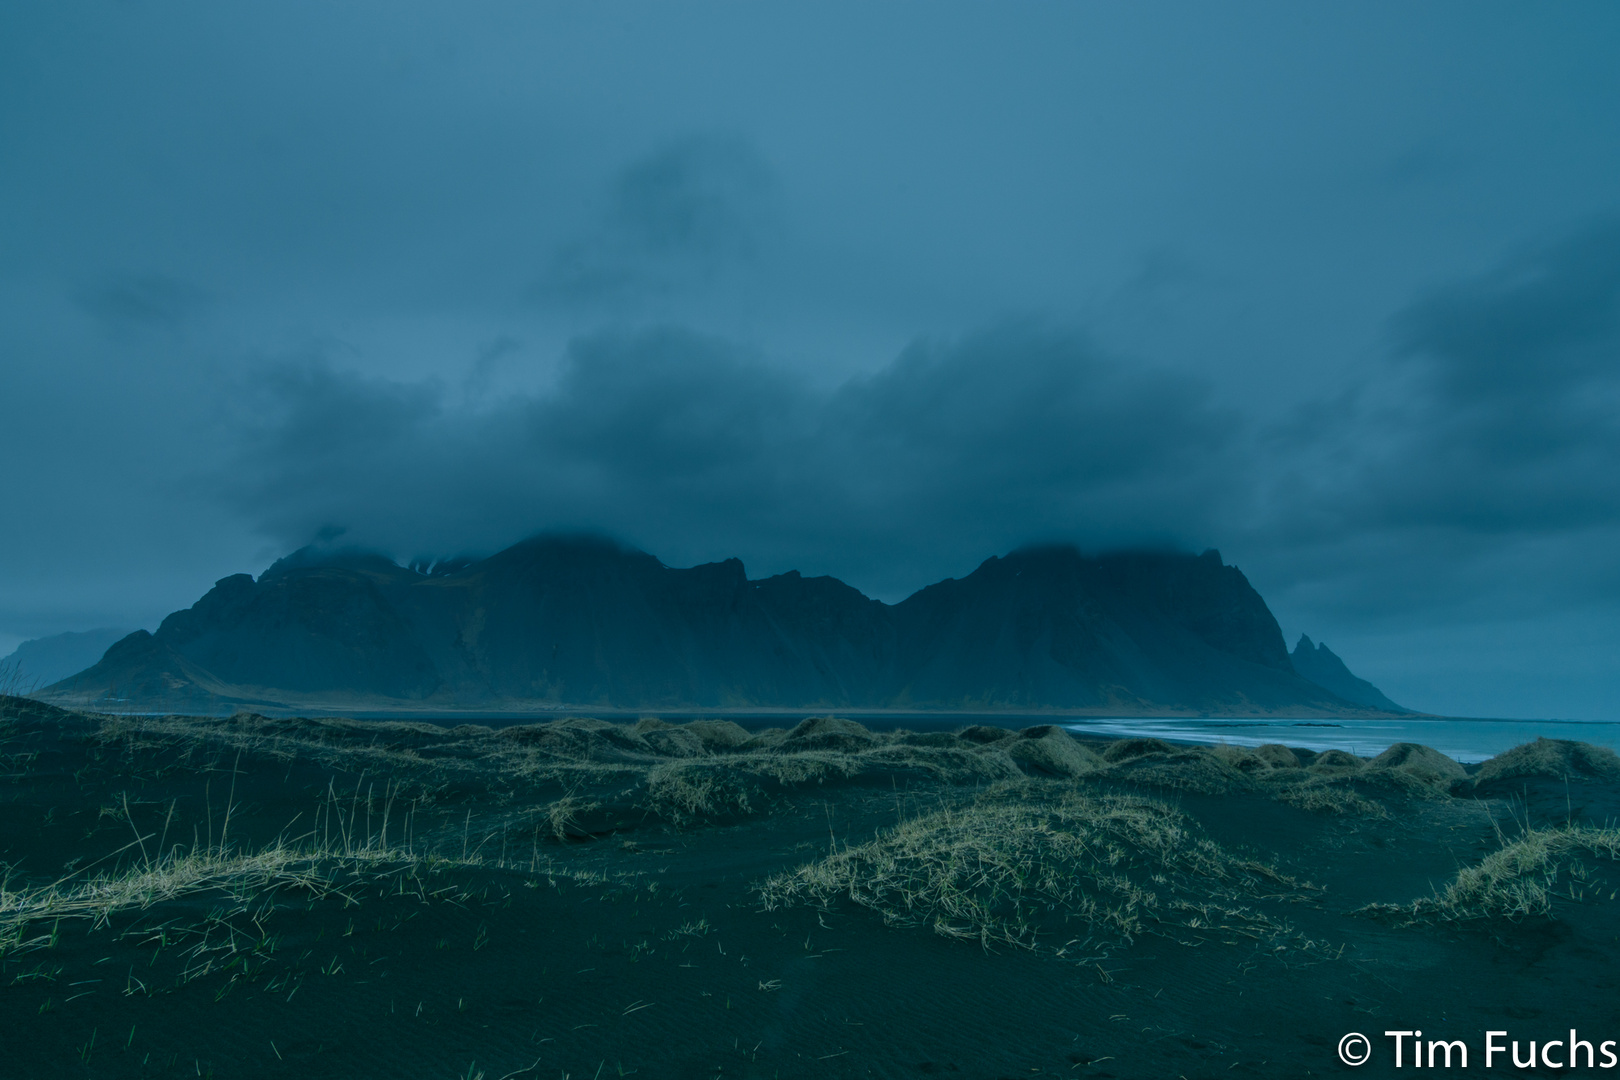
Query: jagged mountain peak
x=323 y=557
x=1316 y=662
x=584 y=621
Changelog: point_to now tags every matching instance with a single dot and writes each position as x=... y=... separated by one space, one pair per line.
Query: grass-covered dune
x=253 y=896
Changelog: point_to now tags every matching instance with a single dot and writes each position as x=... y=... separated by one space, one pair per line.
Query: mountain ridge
x=559 y=622
x=42 y=661
x=1322 y=666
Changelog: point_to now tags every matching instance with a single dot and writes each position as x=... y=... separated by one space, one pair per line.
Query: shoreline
x=367 y=899
x=1467 y=739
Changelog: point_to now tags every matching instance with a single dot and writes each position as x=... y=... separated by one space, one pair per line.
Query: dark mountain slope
x=42 y=661
x=584 y=621
x=142 y=671
x=1051 y=627
x=307 y=629
x=574 y=621
x=1319 y=664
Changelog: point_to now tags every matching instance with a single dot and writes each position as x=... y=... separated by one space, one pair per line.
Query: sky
x=870 y=290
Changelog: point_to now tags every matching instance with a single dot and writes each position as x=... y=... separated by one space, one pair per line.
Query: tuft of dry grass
x=1241 y=758
x=1014 y=868
x=1520 y=880
x=1195 y=769
x=1558 y=758
x=336 y=857
x=946 y=763
x=689 y=791
x=1328 y=797
x=1336 y=763
x=590 y=777
x=562 y=817
x=1278 y=756
x=1049 y=750
x=1128 y=749
x=139 y=887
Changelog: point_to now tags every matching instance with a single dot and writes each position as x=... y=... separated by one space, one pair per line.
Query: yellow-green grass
x=1521 y=879
x=1017 y=867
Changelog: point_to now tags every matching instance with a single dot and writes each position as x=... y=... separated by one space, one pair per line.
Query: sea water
x=1467 y=741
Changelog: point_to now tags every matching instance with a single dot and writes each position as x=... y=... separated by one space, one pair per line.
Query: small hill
x=46 y=660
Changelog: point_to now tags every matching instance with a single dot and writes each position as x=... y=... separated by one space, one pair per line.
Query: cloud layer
x=856 y=293
x=1471 y=468
x=674 y=220
x=697 y=448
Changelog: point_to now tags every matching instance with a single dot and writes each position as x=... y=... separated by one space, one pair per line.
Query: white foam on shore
x=1467 y=741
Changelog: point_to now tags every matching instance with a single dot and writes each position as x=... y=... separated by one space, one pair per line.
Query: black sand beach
x=581 y=899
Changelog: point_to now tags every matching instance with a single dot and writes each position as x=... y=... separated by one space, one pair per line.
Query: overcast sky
x=869 y=290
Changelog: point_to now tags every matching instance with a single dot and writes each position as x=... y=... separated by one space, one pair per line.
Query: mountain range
x=45 y=660
x=579 y=622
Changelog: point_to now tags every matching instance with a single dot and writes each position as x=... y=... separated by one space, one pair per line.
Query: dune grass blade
x=1518 y=881
x=150 y=883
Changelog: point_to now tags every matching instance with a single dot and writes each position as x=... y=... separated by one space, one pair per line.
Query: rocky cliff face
x=570 y=621
x=1048 y=626
x=1319 y=664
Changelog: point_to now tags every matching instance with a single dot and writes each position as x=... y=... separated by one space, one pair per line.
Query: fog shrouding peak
x=667 y=435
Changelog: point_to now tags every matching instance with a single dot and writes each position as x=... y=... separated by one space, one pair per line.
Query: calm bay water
x=1465 y=740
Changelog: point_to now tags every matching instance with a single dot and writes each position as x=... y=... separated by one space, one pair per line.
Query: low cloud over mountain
x=863 y=304
x=1018 y=432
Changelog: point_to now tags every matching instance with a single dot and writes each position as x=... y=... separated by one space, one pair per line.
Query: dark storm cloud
x=1517 y=378
x=954 y=450
x=1022 y=423
x=310 y=410
x=1500 y=408
x=672 y=220
x=1478 y=469
x=132 y=303
x=1474 y=466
